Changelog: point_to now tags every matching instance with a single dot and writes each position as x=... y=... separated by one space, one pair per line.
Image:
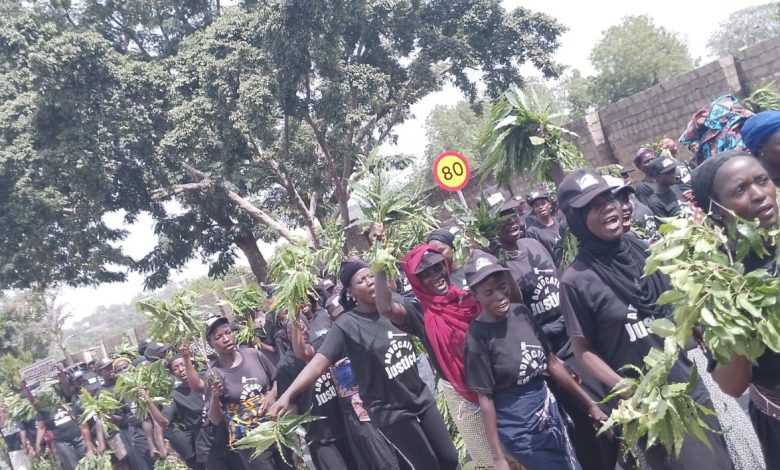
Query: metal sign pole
x=463 y=201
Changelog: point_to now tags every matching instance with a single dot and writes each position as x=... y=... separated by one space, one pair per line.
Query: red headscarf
x=447 y=318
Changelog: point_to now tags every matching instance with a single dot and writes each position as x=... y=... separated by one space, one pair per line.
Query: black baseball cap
x=581 y=187
x=214 y=322
x=91 y=381
x=480 y=266
x=618 y=185
x=104 y=364
x=535 y=195
x=661 y=165
x=429 y=259
x=509 y=206
x=157 y=351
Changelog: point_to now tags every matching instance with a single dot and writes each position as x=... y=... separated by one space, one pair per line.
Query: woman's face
x=435 y=279
x=362 y=287
x=626 y=209
x=541 y=207
x=179 y=369
x=605 y=218
x=493 y=294
x=742 y=185
x=443 y=248
x=769 y=152
x=222 y=340
x=510 y=230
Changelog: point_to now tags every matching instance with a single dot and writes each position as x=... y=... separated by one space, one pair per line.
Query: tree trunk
x=257 y=262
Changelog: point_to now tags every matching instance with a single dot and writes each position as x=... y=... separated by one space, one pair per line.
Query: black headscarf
x=703 y=178
x=442 y=235
x=620 y=265
x=348 y=270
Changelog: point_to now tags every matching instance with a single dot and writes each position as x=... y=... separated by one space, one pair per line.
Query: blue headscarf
x=759 y=129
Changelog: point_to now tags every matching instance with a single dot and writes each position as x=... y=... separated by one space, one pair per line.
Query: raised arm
x=155 y=412
x=195 y=382
x=394 y=311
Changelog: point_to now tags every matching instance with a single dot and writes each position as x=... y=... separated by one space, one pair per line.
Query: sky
x=694 y=21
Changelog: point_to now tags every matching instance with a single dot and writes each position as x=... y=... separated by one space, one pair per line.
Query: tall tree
x=254 y=124
x=633 y=56
x=745 y=27
x=576 y=92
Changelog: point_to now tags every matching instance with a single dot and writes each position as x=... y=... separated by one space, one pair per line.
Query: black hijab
x=620 y=265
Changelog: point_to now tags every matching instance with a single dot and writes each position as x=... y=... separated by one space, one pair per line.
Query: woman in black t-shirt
x=608 y=306
x=507 y=355
x=241 y=388
x=736 y=182
x=183 y=417
x=385 y=366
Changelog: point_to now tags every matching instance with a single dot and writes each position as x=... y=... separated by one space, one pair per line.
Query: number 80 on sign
x=451 y=171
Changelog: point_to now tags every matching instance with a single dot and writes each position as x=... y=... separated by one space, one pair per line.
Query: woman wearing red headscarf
x=440 y=316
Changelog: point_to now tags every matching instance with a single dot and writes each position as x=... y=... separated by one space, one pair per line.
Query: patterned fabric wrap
x=715 y=128
x=243 y=417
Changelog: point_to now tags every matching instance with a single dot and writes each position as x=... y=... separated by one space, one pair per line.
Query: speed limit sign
x=451 y=171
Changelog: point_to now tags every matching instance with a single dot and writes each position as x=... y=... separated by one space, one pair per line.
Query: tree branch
x=176 y=189
x=205 y=182
x=292 y=193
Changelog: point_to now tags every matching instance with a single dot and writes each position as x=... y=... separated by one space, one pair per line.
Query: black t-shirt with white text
x=384 y=364
x=505 y=353
x=615 y=330
x=320 y=399
x=643 y=217
x=245 y=385
x=537 y=277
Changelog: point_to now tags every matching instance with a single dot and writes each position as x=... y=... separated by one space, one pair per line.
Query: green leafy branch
x=178 y=321
x=521 y=138
x=661 y=412
x=287 y=431
x=765 y=98
x=293 y=269
x=401 y=212
x=99 y=407
x=95 y=462
x=738 y=311
x=152 y=377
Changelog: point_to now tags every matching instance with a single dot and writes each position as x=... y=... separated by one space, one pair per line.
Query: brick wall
x=613 y=133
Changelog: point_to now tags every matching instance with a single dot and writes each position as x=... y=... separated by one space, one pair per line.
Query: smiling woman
x=507 y=355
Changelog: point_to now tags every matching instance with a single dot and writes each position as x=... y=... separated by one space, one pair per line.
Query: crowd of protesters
x=523 y=349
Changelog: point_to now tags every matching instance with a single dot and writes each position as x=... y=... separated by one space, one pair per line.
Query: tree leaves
x=153 y=377
x=178 y=321
x=662 y=413
x=293 y=270
x=522 y=138
x=286 y=431
x=95 y=462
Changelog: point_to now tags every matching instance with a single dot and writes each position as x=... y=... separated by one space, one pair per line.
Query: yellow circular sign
x=451 y=171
